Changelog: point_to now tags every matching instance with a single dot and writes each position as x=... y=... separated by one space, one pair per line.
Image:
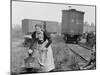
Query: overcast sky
x=44 y=11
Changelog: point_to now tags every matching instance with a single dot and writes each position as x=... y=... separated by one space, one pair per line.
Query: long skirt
x=46 y=60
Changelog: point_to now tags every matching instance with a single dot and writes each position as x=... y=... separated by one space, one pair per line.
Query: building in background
x=88 y=28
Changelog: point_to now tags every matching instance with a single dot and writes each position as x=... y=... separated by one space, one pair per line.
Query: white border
x=5 y=36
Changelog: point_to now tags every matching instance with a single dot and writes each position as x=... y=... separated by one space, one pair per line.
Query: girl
x=44 y=46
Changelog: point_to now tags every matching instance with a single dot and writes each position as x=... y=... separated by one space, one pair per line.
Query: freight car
x=28 y=25
x=72 y=25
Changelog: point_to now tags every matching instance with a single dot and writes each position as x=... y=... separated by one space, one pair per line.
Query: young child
x=31 y=63
x=44 y=49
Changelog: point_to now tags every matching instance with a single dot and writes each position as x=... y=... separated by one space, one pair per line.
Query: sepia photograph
x=52 y=37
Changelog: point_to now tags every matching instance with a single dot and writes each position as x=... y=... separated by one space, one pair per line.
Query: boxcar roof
x=73 y=10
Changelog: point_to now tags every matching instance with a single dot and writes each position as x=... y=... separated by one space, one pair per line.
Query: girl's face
x=37 y=28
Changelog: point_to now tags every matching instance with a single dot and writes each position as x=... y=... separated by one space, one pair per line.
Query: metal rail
x=77 y=54
x=84 y=46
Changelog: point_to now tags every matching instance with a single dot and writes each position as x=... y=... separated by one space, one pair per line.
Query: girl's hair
x=39 y=25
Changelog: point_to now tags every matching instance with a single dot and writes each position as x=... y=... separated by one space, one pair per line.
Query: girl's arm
x=47 y=36
x=32 y=40
x=33 y=35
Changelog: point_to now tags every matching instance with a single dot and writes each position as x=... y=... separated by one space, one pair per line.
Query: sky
x=44 y=11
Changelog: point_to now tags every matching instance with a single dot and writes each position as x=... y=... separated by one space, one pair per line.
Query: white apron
x=45 y=57
x=48 y=64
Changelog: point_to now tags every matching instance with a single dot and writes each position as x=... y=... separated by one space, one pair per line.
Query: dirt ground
x=61 y=54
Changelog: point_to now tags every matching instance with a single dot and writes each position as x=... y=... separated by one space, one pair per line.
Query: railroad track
x=81 y=52
x=88 y=48
x=77 y=54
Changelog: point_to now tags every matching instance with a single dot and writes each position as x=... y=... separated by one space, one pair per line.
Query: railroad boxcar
x=28 y=25
x=72 y=25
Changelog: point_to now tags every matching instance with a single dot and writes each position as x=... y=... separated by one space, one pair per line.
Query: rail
x=77 y=54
